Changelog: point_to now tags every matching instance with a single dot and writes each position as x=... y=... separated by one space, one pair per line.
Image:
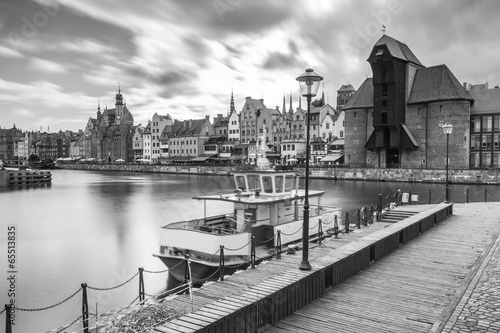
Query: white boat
x=266 y=203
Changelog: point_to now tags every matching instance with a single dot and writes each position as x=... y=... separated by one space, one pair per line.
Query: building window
x=487 y=123
x=419 y=126
x=341 y=134
x=355 y=129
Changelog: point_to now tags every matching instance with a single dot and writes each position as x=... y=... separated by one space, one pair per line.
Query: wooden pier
x=19 y=178
x=260 y=298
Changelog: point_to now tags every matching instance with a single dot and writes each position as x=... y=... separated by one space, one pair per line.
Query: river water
x=98 y=228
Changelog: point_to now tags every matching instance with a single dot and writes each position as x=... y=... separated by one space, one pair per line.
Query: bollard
x=221 y=262
x=347 y=222
x=467 y=195
x=409 y=197
x=430 y=197
x=485 y=194
x=371 y=214
x=252 y=253
x=358 y=219
x=85 y=309
x=142 y=293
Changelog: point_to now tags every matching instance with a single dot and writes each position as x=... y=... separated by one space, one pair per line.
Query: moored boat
x=268 y=207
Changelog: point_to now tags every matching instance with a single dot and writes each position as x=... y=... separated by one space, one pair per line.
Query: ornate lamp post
x=447 y=129
x=309 y=84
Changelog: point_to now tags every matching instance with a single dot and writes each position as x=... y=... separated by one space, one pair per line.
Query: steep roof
x=485 y=100
x=436 y=83
x=346 y=88
x=363 y=98
x=187 y=127
x=397 y=49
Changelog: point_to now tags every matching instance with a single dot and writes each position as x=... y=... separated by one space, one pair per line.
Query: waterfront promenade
x=444 y=280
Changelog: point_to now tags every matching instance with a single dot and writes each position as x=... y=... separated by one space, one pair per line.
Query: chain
x=118 y=286
x=156 y=272
x=63 y=328
x=51 y=306
x=285 y=234
x=226 y=248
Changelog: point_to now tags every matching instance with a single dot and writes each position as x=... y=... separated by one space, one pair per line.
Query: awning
x=182 y=159
x=201 y=158
x=237 y=157
x=332 y=158
x=408 y=141
x=273 y=155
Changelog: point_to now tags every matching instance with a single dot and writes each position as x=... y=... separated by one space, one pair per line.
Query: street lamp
x=309 y=84
x=447 y=129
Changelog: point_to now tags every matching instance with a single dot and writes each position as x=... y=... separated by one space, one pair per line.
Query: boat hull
x=200 y=272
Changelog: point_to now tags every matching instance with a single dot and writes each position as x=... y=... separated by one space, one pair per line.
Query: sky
x=58 y=58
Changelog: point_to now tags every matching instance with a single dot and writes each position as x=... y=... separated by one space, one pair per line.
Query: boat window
x=253 y=182
x=288 y=183
x=240 y=183
x=268 y=184
x=279 y=184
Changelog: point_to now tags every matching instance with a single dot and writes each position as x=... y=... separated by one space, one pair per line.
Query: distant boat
x=43 y=164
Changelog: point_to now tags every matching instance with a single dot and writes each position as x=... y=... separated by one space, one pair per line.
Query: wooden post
x=430 y=196
x=85 y=309
x=358 y=219
x=409 y=197
x=467 y=195
x=365 y=220
x=336 y=226
x=485 y=194
x=187 y=276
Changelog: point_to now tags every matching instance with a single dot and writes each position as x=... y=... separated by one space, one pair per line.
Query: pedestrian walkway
x=446 y=280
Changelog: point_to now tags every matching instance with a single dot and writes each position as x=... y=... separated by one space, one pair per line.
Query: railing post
x=371 y=214
x=252 y=252
x=336 y=226
x=365 y=220
x=187 y=276
x=85 y=309
x=467 y=195
x=409 y=197
x=379 y=204
x=358 y=219
x=485 y=194
x=141 y=285
x=430 y=192
x=320 y=231
x=346 y=222
x=8 y=319
x=221 y=262
x=278 y=245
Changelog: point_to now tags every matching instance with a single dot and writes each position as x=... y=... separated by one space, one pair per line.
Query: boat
x=42 y=164
x=266 y=203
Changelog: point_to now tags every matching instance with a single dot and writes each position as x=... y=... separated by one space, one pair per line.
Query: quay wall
x=490 y=177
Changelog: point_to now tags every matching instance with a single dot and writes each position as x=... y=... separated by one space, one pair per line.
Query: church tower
x=119 y=103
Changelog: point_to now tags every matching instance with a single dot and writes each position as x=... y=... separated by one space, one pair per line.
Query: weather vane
x=383 y=29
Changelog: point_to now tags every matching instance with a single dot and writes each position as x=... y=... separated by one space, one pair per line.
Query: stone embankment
x=490 y=176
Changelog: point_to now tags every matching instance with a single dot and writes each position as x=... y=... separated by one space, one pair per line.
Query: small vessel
x=268 y=209
x=42 y=164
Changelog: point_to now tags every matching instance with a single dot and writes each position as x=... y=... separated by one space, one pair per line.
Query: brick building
x=395 y=118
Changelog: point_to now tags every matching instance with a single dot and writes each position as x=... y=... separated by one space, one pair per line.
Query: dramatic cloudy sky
x=183 y=57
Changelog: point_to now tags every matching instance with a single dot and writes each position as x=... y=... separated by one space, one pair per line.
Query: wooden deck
x=414 y=289
x=271 y=292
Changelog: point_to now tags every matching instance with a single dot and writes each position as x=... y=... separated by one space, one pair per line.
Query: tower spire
x=283 y=110
x=231 y=105
x=300 y=101
x=291 y=106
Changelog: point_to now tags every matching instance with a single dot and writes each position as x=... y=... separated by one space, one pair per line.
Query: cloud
x=23 y=113
x=42 y=65
x=7 y=52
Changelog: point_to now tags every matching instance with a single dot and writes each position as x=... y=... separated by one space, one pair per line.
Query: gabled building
x=187 y=138
x=396 y=118
x=137 y=142
x=9 y=140
x=233 y=122
x=158 y=125
x=344 y=94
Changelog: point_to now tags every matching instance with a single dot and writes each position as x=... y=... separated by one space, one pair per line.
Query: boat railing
x=218 y=224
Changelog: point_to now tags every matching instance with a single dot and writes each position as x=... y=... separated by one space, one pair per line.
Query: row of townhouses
x=394 y=119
